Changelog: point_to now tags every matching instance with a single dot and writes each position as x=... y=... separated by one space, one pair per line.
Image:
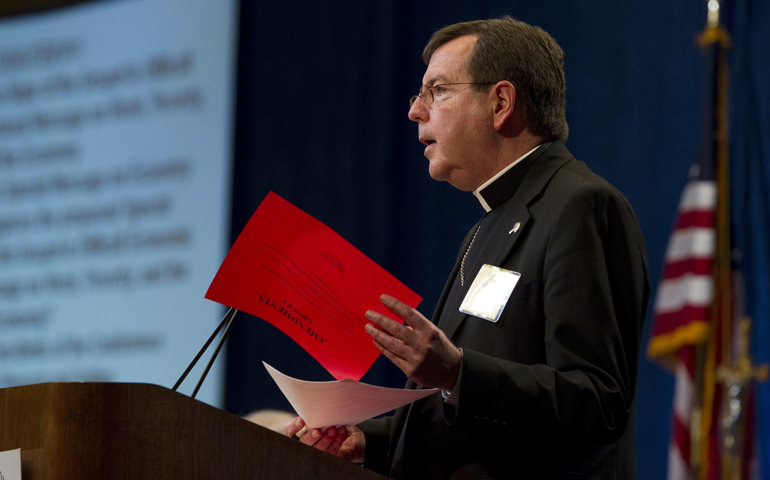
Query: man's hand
x=346 y=443
x=420 y=350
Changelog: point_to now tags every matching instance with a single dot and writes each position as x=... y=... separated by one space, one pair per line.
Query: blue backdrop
x=323 y=91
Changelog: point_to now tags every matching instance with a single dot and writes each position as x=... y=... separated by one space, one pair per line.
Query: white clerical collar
x=477 y=192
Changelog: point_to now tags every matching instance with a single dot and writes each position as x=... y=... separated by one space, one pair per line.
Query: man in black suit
x=535 y=339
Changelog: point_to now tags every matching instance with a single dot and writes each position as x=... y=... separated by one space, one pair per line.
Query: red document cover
x=293 y=271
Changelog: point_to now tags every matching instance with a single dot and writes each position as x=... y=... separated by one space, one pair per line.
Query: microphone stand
x=227 y=320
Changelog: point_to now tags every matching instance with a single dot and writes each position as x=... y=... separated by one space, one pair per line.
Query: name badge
x=489 y=292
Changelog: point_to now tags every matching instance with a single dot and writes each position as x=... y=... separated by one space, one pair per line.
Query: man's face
x=456 y=128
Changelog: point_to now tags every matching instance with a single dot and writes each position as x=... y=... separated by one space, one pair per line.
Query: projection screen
x=115 y=161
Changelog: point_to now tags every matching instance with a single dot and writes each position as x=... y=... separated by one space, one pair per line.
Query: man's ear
x=503 y=99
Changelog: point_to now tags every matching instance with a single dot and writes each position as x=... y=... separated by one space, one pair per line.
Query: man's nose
x=418 y=112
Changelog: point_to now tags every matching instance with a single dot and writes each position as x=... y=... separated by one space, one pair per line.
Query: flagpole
x=727 y=374
x=693 y=304
x=721 y=134
x=717 y=349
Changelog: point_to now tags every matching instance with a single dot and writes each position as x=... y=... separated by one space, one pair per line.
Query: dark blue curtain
x=323 y=91
x=750 y=168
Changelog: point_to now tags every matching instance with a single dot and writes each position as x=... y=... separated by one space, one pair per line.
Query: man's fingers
x=397 y=361
x=326 y=439
x=388 y=324
x=293 y=427
x=387 y=331
x=387 y=342
x=336 y=443
x=410 y=315
x=329 y=440
x=312 y=437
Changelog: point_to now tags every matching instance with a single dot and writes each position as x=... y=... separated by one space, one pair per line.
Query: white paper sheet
x=10 y=464
x=342 y=402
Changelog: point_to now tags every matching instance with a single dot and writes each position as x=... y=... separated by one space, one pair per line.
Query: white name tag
x=489 y=292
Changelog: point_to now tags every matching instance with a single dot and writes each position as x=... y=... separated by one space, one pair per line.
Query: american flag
x=682 y=308
x=688 y=304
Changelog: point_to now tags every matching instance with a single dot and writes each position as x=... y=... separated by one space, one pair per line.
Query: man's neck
x=525 y=142
x=477 y=191
x=514 y=149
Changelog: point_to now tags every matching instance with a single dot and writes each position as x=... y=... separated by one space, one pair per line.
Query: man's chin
x=436 y=171
x=444 y=176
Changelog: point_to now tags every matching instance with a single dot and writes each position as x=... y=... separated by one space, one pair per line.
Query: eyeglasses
x=428 y=95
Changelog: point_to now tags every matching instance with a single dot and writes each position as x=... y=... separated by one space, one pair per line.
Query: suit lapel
x=455 y=270
x=504 y=239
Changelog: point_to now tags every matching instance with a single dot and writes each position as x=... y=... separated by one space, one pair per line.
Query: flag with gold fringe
x=693 y=304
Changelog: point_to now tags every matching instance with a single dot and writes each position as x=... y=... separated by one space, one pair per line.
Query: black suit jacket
x=548 y=390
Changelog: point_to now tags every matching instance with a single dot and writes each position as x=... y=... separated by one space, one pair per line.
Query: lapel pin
x=515 y=228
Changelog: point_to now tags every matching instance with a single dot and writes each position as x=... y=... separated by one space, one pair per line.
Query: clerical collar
x=500 y=188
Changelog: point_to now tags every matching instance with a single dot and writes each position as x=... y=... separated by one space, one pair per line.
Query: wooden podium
x=116 y=431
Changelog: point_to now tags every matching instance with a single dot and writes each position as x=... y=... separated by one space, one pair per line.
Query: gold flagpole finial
x=713 y=13
x=714 y=32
